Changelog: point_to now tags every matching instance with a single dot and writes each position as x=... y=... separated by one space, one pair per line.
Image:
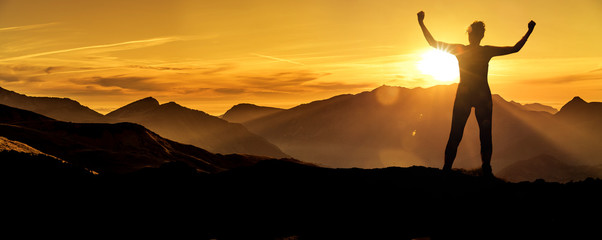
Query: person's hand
x=531 y=25
x=420 y=16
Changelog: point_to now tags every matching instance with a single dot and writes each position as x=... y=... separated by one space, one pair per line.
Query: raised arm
x=425 y=31
x=497 y=51
x=430 y=39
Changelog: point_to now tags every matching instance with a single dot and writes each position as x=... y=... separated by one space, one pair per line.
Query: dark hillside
x=286 y=200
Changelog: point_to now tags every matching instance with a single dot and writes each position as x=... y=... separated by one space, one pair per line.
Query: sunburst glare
x=439 y=64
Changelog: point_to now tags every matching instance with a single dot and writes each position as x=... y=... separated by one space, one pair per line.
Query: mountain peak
x=251 y=107
x=176 y=107
x=384 y=86
x=171 y=104
x=576 y=104
x=142 y=105
x=244 y=112
x=245 y=106
x=582 y=112
x=147 y=100
x=578 y=100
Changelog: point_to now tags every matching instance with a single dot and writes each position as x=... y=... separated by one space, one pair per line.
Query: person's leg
x=460 y=115
x=484 y=118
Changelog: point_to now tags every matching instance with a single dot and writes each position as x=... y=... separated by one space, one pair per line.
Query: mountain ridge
x=187 y=125
x=396 y=126
x=406 y=135
x=58 y=108
x=194 y=127
x=244 y=112
x=142 y=105
x=109 y=148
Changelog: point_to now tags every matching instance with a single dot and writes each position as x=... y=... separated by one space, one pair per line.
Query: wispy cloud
x=7 y=77
x=27 y=27
x=281 y=80
x=102 y=47
x=197 y=68
x=593 y=75
x=231 y=91
x=125 y=82
x=339 y=85
x=276 y=59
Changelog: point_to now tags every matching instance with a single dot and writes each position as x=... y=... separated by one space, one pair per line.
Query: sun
x=441 y=65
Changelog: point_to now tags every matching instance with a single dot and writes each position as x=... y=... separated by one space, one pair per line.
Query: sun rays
x=440 y=65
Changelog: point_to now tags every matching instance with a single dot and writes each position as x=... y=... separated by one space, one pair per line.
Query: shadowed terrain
x=286 y=200
x=549 y=168
x=170 y=120
x=150 y=186
x=108 y=148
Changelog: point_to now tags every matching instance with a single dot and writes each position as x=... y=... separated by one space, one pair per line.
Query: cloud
x=20 y=73
x=189 y=90
x=281 y=79
x=339 y=85
x=87 y=90
x=27 y=27
x=125 y=82
x=276 y=59
x=205 y=70
x=7 y=77
x=596 y=70
x=229 y=90
x=593 y=75
x=101 y=48
x=217 y=69
x=148 y=67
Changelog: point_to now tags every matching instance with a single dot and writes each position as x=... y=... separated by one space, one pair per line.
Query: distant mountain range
x=62 y=109
x=142 y=182
x=105 y=148
x=388 y=126
x=395 y=126
x=169 y=120
x=194 y=127
x=245 y=112
x=582 y=115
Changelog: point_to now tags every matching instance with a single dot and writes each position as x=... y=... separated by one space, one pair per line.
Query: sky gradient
x=210 y=55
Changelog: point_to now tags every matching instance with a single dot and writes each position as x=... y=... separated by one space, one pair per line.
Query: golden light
x=441 y=65
x=387 y=95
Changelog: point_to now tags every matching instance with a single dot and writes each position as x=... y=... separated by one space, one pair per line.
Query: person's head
x=476 y=32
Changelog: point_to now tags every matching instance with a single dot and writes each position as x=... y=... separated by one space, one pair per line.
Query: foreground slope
x=286 y=200
x=549 y=168
x=23 y=162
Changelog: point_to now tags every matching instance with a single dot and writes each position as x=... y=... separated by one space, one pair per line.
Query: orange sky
x=210 y=55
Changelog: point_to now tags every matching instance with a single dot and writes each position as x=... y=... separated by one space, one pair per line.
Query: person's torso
x=474 y=64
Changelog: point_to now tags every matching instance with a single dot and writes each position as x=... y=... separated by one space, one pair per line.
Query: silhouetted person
x=473 y=90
